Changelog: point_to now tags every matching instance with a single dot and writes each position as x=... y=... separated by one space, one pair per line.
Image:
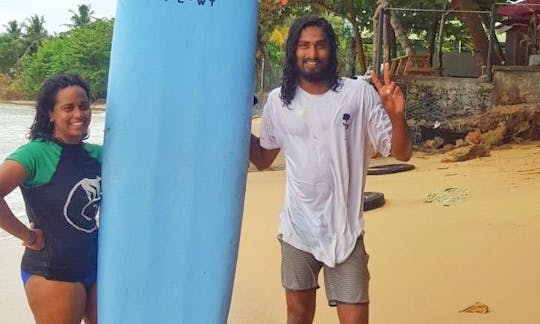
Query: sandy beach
x=427 y=261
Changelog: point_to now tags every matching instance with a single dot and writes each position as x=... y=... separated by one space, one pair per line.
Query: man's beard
x=315 y=76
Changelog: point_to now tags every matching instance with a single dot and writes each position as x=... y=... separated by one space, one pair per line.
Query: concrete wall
x=458 y=65
x=516 y=84
x=443 y=98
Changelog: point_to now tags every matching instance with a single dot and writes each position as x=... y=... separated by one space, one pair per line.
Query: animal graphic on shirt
x=82 y=204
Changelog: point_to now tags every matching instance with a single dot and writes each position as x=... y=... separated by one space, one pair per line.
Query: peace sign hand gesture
x=392 y=98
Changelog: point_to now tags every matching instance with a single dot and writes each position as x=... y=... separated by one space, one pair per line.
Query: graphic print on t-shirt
x=82 y=205
x=346 y=118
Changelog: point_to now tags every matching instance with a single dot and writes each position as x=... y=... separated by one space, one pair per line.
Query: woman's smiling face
x=71 y=115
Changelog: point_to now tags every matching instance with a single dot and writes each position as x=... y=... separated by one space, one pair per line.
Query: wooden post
x=386 y=36
x=491 y=37
x=380 y=30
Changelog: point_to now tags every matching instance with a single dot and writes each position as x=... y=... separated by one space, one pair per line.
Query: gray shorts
x=347 y=283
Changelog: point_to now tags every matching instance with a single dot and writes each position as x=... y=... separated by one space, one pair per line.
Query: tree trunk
x=440 y=39
x=351 y=44
x=474 y=25
x=496 y=45
x=399 y=31
x=387 y=31
x=359 y=44
x=433 y=37
x=376 y=16
x=259 y=57
x=401 y=34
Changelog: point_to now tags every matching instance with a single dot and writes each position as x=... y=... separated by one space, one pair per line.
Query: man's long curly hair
x=289 y=80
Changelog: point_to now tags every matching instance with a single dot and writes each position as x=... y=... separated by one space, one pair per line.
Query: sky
x=55 y=12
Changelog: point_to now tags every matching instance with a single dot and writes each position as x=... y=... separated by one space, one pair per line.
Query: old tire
x=389 y=168
x=373 y=200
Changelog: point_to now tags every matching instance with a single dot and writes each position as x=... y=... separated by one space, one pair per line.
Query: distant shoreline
x=30 y=103
x=27 y=103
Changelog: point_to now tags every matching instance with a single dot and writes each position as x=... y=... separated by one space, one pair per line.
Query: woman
x=59 y=176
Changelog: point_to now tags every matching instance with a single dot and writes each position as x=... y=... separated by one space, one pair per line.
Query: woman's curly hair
x=42 y=127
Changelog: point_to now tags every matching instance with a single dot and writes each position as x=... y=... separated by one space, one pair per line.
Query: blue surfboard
x=175 y=159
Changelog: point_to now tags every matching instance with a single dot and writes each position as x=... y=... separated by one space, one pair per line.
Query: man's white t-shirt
x=327 y=141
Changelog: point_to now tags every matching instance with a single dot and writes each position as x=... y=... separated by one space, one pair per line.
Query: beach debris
x=466 y=153
x=510 y=123
x=522 y=128
x=530 y=171
x=506 y=146
x=478 y=307
x=448 y=148
x=447 y=196
x=494 y=137
x=460 y=143
x=435 y=143
x=473 y=137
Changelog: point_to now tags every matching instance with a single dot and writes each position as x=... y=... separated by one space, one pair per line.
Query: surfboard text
x=199 y=2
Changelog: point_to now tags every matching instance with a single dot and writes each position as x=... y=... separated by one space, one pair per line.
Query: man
x=327 y=127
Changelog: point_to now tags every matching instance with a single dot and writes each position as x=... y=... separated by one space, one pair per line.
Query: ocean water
x=15 y=121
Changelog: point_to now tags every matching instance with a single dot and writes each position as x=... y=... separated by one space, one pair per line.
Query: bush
x=83 y=51
x=7 y=91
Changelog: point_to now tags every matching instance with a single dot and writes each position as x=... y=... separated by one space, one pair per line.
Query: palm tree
x=82 y=17
x=13 y=28
x=35 y=33
x=11 y=46
x=35 y=28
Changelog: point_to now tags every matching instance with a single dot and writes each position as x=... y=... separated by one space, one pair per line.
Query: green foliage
x=82 y=17
x=275 y=52
x=275 y=18
x=34 y=33
x=364 y=13
x=421 y=24
x=29 y=55
x=345 y=35
x=13 y=28
x=274 y=47
x=11 y=48
x=7 y=92
x=84 y=51
x=486 y=4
